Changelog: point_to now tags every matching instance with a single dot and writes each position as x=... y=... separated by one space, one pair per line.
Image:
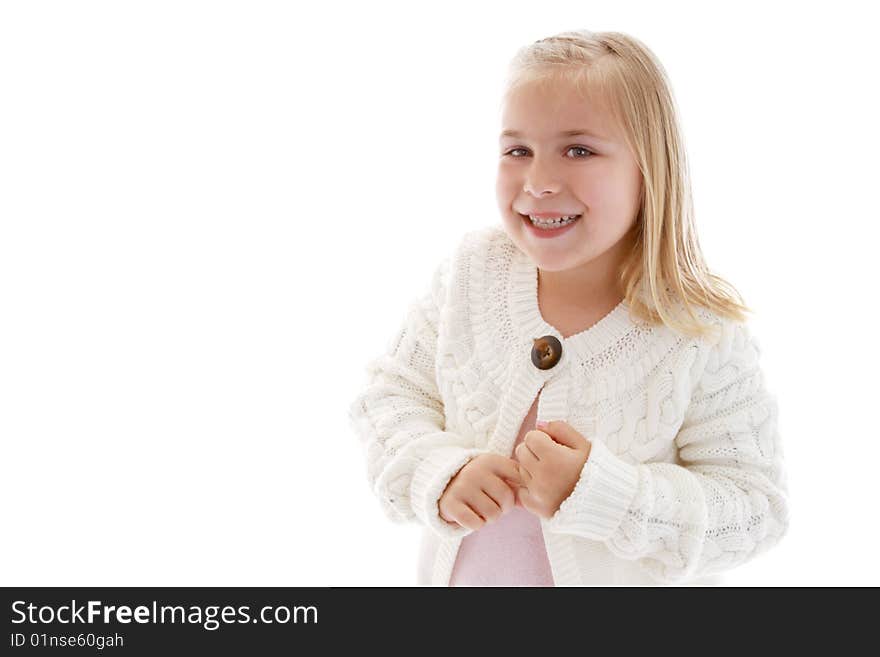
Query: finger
x=564 y=434
x=484 y=506
x=525 y=475
x=500 y=492
x=466 y=517
x=525 y=498
x=444 y=515
x=505 y=468
x=531 y=443
x=526 y=457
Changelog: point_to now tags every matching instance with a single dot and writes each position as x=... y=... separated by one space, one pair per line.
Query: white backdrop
x=213 y=214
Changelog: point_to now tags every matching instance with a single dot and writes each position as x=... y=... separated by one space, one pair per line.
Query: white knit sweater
x=685 y=477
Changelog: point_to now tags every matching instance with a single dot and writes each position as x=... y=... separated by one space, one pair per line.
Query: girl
x=577 y=399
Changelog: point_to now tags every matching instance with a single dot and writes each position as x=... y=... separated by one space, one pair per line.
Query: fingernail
x=541 y=424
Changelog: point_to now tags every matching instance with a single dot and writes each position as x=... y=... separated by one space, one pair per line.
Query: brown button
x=546 y=352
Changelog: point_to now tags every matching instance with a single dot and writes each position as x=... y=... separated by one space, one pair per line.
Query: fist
x=481 y=492
x=550 y=462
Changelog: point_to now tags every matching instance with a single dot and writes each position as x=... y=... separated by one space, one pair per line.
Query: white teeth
x=552 y=223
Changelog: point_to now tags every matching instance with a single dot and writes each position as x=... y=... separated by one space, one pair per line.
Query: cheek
x=604 y=204
x=505 y=184
x=594 y=190
x=506 y=194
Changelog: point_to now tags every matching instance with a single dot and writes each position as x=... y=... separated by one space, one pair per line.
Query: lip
x=547 y=233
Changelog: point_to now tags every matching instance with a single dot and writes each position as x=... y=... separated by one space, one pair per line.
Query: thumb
x=563 y=433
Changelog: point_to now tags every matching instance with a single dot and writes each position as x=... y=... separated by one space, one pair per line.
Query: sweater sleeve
x=726 y=504
x=400 y=421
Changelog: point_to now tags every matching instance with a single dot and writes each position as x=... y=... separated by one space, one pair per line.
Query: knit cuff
x=430 y=480
x=601 y=496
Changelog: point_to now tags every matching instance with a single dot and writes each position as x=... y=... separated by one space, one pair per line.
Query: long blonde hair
x=664 y=274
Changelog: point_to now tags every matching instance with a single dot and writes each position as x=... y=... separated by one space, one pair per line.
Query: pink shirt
x=509 y=551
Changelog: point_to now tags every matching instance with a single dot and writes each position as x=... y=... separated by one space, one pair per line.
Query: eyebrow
x=565 y=133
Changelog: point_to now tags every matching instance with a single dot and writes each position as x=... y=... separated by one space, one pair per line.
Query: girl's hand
x=481 y=492
x=550 y=464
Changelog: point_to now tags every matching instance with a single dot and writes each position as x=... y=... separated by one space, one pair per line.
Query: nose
x=539 y=181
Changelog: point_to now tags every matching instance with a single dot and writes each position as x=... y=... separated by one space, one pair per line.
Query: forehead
x=541 y=109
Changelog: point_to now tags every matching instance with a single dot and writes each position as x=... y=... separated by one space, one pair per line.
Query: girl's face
x=544 y=167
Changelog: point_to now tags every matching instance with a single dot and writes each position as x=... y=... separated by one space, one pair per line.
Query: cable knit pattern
x=729 y=501
x=685 y=478
x=410 y=456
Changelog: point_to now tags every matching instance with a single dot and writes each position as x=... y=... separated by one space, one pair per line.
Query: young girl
x=577 y=399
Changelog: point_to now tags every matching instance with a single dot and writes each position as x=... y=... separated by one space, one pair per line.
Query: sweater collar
x=522 y=302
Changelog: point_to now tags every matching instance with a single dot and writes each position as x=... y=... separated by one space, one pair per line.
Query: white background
x=213 y=214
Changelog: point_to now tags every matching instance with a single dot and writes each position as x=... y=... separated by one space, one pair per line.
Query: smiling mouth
x=550 y=225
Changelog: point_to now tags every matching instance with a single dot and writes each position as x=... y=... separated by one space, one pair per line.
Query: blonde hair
x=666 y=258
